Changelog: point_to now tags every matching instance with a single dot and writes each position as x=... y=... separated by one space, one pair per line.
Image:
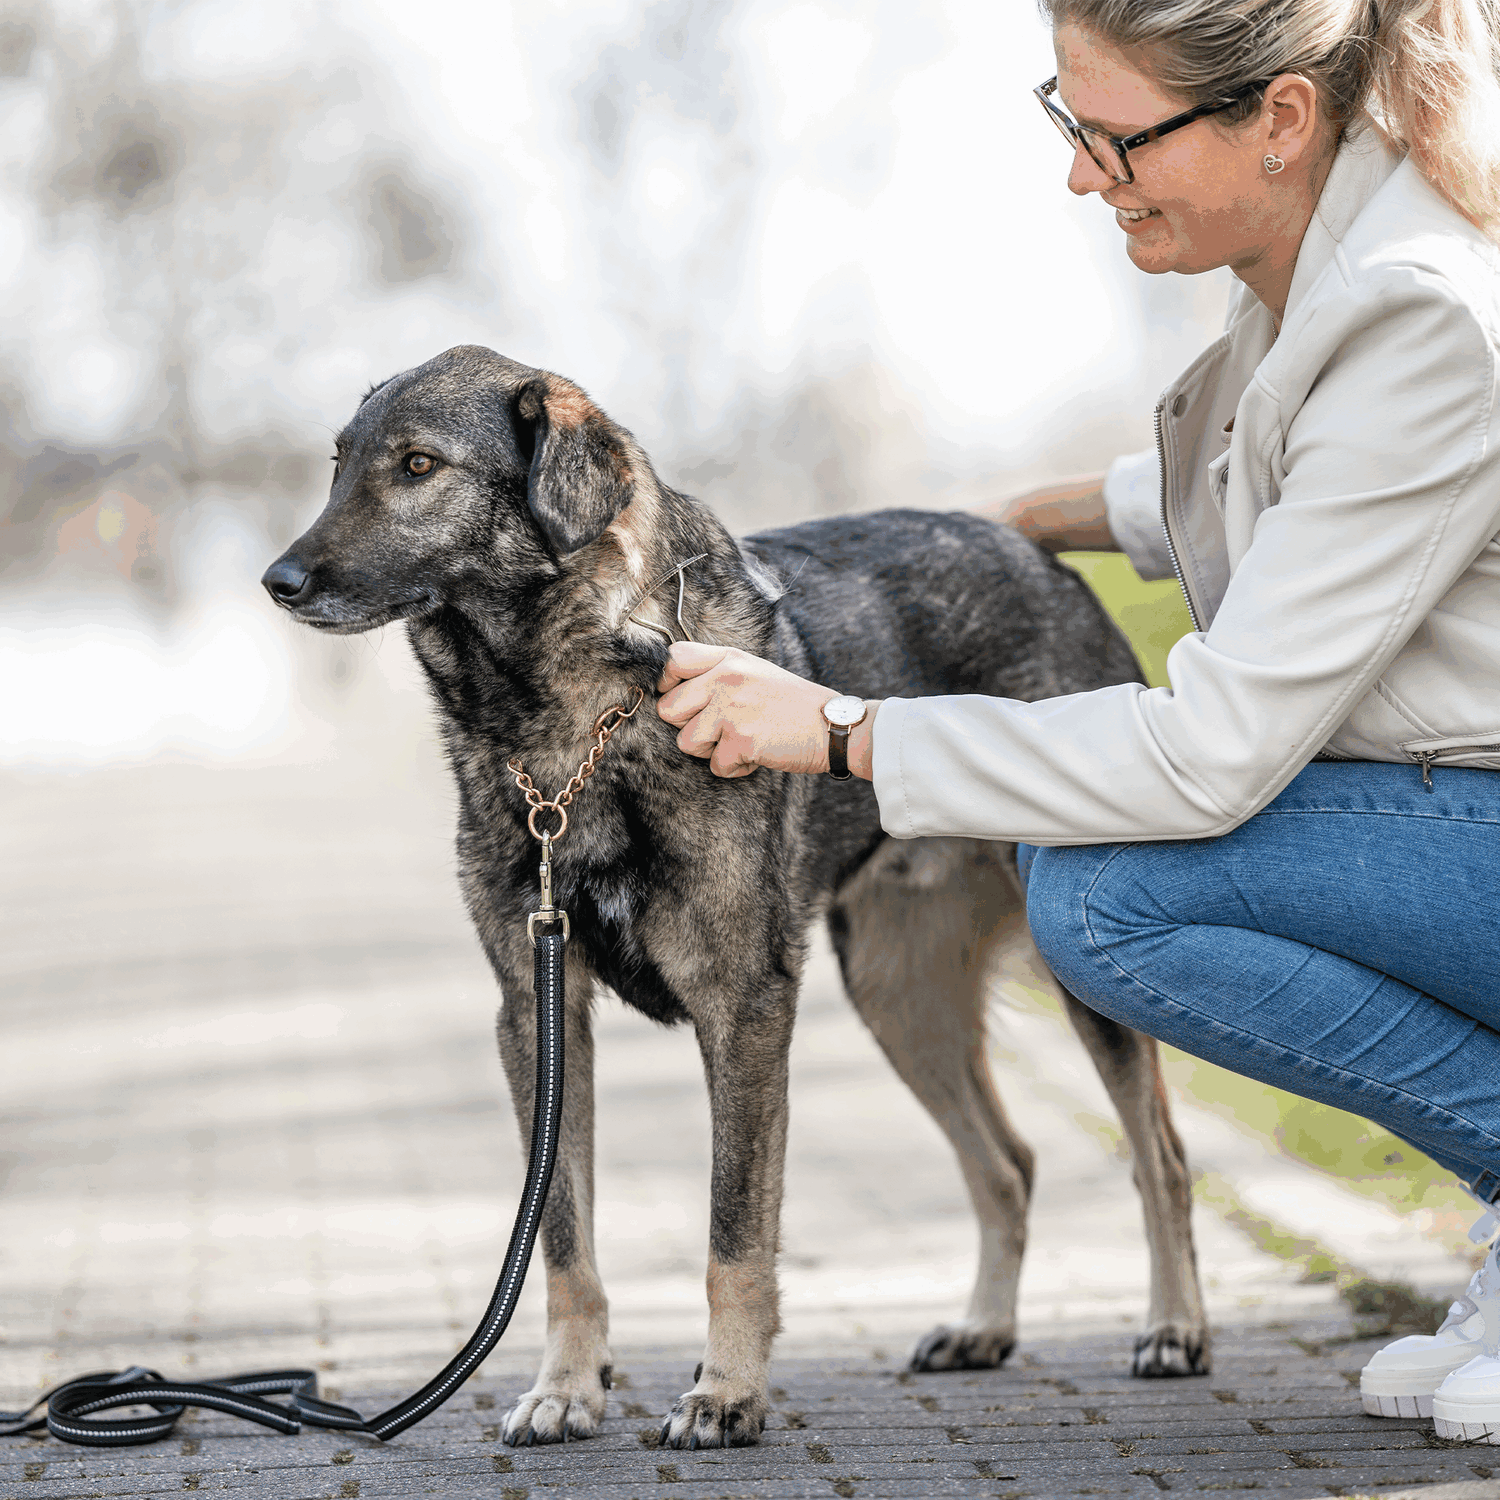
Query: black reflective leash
x=71 y=1407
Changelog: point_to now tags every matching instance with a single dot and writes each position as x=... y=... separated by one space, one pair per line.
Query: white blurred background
x=817 y=256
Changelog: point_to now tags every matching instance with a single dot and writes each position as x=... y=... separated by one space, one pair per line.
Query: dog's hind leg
x=914 y=930
x=568 y=1398
x=1176 y=1341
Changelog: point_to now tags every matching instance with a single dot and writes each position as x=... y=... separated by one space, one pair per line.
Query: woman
x=1284 y=862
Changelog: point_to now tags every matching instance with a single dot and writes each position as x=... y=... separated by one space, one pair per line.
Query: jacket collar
x=1360 y=168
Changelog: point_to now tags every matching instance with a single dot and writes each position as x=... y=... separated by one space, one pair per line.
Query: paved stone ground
x=250 y=1116
x=1064 y=1421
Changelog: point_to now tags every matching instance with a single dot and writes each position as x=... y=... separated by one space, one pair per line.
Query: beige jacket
x=1331 y=500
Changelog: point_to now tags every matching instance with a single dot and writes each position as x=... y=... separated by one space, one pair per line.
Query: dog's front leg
x=568 y=1398
x=745 y=1059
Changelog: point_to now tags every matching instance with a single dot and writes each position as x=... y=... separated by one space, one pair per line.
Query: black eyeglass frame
x=1125 y=144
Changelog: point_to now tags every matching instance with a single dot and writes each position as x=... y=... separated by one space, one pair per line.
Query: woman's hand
x=739 y=712
x=1066 y=516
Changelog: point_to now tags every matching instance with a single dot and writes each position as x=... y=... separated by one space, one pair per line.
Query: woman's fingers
x=687 y=659
x=683 y=704
x=716 y=738
x=728 y=764
x=695 y=696
x=700 y=734
x=694 y=677
x=739 y=712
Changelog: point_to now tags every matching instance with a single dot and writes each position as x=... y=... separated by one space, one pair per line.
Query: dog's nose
x=287 y=581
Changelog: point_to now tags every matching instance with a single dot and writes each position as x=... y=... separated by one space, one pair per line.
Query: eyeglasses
x=1108 y=152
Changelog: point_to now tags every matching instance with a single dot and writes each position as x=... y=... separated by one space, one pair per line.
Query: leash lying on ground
x=71 y=1409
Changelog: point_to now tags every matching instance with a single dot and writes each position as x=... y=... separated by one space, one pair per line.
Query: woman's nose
x=1086 y=175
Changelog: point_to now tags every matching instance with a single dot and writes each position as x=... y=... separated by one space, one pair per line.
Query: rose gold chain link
x=603 y=731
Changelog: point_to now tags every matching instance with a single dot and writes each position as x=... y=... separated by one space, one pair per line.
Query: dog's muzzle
x=287 y=582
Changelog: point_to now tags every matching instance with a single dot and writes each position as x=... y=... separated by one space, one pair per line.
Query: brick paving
x=1280 y=1415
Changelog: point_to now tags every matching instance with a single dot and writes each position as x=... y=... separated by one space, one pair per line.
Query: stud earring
x=1274 y=164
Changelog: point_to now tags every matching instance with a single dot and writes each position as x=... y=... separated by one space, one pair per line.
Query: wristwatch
x=841 y=714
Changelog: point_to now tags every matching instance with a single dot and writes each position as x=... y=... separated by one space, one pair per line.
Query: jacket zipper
x=1425 y=758
x=1161 y=461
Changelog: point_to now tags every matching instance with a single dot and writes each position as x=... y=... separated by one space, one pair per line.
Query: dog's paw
x=1172 y=1350
x=711 y=1419
x=555 y=1415
x=962 y=1346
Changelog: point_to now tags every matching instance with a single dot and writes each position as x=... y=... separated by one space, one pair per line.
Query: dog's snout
x=287 y=581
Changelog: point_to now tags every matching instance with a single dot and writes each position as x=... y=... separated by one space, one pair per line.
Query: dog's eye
x=420 y=464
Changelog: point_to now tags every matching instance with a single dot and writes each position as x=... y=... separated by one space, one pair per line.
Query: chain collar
x=603 y=731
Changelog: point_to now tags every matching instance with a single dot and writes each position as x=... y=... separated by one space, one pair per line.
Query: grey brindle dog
x=519 y=532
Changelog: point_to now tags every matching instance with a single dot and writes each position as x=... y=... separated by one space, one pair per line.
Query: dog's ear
x=580 y=472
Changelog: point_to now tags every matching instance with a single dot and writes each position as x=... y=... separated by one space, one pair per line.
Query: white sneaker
x=1400 y=1380
x=1466 y=1407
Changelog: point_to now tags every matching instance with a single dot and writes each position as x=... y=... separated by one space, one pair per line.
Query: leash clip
x=548 y=912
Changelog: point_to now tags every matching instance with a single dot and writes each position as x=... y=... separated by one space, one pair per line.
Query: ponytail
x=1435 y=79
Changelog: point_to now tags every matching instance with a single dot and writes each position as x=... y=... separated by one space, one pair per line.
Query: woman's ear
x=1291 y=117
x=580 y=477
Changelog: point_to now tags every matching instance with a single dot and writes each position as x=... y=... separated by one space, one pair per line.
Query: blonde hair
x=1427 y=71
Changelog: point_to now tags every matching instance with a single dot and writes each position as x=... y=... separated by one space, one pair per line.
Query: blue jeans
x=1344 y=944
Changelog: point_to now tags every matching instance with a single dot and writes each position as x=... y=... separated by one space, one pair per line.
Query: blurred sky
x=817 y=256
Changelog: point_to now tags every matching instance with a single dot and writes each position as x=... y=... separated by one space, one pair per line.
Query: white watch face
x=844 y=712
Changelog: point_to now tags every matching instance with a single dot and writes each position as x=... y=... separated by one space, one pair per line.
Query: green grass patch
x=1153 y=616
x=1378 y=1308
x=1317 y=1262
x=1362 y=1155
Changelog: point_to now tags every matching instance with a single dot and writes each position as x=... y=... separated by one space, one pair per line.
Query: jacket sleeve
x=1132 y=503
x=1390 y=489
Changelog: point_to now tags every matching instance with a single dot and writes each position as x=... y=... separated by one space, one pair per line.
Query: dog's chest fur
x=640 y=831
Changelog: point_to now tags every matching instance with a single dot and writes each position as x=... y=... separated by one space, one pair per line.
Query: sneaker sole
x=1397 y=1406
x=1467 y=1419
x=1467 y=1432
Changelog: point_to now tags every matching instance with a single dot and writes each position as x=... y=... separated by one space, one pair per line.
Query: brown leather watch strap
x=838 y=754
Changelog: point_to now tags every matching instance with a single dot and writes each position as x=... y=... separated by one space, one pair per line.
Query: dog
x=534 y=554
